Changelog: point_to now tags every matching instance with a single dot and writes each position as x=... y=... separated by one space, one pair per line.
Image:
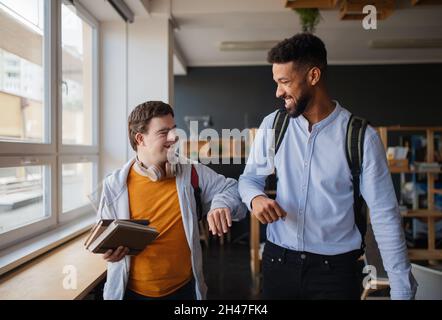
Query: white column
x=150 y=61
x=137 y=66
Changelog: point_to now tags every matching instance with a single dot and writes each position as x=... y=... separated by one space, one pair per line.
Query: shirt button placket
x=304 y=195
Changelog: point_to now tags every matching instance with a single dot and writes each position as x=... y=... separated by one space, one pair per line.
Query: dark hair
x=140 y=117
x=304 y=49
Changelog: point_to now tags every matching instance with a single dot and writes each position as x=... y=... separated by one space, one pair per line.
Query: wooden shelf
x=220 y=148
x=424 y=254
x=302 y=4
x=408 y=170
x=221 y=158
x=411 y=128
x=437 y=191
x=353 y=9
x=422 y=214
x=425 y=2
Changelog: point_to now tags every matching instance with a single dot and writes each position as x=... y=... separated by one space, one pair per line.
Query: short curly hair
x=140 y=117
x=304 y=49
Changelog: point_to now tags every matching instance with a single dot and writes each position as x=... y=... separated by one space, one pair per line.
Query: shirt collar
x=303 y=122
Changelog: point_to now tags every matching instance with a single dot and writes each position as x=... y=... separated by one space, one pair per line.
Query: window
x=27 y=192
x=77 y=61
x=23 y=196
x=48 y=157
x=75 y=177
x=79 y=148
x=79 y=181
x=22 y=83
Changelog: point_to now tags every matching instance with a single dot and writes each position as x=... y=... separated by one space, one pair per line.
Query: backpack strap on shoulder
x=194 y=180
x=354 y=151
x=280 y=124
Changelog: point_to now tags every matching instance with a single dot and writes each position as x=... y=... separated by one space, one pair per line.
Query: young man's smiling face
x=292 y=87
x=158 y=139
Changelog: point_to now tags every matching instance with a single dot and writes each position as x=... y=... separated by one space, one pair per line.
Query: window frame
x=82 y=12
x=50 y=92
x=51 y=151
x=34 y=228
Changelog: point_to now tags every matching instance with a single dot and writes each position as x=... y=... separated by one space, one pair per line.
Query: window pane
x=77 y=78
x=77 y=185
x=22 y=71
x=23 y=195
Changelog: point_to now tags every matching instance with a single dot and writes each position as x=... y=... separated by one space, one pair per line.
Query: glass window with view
x=77 y=84
x=22 y=101
x=23 y=196
x=77 y=183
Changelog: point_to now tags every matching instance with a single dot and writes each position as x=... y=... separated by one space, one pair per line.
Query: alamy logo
x=70 y=278
x=370 y=20
x=367 y=283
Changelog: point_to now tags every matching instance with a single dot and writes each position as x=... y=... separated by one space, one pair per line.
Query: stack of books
x=111 y=234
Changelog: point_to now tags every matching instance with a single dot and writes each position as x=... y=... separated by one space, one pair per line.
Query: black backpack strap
x=354 y=151
x=196 y=192
x=280 y=124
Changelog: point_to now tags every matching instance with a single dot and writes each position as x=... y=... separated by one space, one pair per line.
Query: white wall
x=113 y=96
x=150 y=59
x=137 y=66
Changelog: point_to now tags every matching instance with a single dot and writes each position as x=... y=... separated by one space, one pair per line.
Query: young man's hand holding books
x=116 y=255
x=117 y=238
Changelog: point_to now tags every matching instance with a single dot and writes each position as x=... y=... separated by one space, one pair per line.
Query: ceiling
x=204 y=24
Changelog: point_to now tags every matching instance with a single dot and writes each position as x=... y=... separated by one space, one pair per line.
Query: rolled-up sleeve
x=259 y=165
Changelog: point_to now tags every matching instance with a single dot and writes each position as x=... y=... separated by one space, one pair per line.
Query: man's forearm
x=391 y=241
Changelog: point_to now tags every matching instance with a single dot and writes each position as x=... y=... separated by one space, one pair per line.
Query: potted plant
x=310 y=18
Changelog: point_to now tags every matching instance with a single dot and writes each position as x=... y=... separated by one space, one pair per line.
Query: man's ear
x=139 y=138
x=314 y=76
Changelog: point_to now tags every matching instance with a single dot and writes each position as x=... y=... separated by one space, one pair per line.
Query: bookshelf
x=429 y=214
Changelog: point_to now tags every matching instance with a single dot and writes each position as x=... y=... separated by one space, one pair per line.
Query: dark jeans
x=289 y=274
x=186 y=292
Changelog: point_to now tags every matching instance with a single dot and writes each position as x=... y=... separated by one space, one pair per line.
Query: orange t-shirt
x=165 y=265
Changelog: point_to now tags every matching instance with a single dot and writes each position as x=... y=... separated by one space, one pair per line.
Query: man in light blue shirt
x=312 y=239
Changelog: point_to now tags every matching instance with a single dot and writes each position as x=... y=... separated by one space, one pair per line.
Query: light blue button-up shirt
x=315 y=189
